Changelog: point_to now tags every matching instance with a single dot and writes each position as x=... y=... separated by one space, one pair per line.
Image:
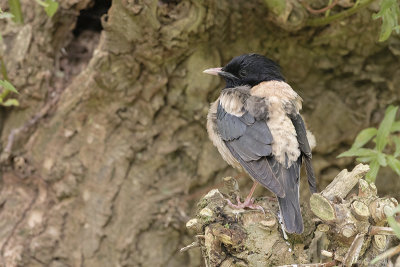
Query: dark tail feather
x=289 y=205
x=290 y=211
x=310 y=175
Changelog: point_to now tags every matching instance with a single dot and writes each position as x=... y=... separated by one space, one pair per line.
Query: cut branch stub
x=360 y=210
x=322 y=207
x=378 y=206
x=366 y=189
x=379 y=242
x=344 y=182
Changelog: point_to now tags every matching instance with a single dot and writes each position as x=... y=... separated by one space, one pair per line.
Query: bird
x=256 y=126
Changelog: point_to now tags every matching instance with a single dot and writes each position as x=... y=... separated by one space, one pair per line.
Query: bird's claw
x=248 y=203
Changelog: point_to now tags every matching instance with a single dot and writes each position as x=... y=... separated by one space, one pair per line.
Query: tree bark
x=102 y=162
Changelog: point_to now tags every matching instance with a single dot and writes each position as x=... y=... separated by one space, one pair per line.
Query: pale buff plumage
x=278 y=96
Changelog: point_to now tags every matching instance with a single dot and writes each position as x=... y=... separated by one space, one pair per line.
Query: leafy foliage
x=392 y=221
x=15 y=10
x=7 y=88
x=5 y=15
x=50 y=6
x=387 y=133
x=389 y=12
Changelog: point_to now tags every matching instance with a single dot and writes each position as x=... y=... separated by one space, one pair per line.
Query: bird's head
x=248 y=69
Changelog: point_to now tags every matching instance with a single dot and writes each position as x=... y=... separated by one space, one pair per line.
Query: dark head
x=248 y=69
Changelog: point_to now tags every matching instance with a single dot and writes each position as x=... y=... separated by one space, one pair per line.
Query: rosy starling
x=256 y=126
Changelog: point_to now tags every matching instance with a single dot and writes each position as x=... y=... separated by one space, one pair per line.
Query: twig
x=318 y=11
x=195 y=244
x=341 y=15
x=380 y=230
x=7 y=150
x=354 y=250
x=387 y=254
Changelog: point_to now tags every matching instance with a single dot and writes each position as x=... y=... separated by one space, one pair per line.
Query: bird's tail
x=290 y=204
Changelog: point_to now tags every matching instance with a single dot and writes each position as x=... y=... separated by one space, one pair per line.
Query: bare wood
x=195 y=244
x=360 y=210
x=380 y=230
x=322 y=207
x=354 y=250
x=326 y=253
x=388 y=254
x=344 y=182
x=323 y=228
x=380 y=242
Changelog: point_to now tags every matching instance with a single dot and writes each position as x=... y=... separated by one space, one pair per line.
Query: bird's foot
x=248 y=203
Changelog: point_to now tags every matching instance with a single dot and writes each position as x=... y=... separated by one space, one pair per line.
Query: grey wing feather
x=261 y=171
x=249 y=141
x=230 y=126
x=254 y=143
x=300 y=128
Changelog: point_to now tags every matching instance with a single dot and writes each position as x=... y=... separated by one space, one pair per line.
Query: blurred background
x=104 y=151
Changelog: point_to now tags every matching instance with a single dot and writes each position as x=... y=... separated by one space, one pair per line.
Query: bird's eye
x=242 y=73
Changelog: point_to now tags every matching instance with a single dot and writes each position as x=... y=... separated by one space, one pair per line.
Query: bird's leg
x=248 y=202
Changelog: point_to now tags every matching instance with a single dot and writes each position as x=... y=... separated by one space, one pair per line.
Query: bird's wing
x=249 y=140
x=305 y=149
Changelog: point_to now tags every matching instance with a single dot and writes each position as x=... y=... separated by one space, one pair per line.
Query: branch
x=341 y=15
x=318 y=11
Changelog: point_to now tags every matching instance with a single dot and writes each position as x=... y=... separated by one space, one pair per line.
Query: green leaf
x=395 y=127
x=394 y=225
x=8 y=86
x=52 y=7
x=365 y=159
x=385 y=127
x=381 y=157
x=396 y=140
x=364 y=137
x=10 y=102
x=373 y=171
x=394 y=164
x=389 y=12
x=6 y=15
x=15 y=9
x=392 y=221
x=358 y=152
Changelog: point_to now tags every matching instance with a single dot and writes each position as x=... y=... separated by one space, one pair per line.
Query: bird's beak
x=213 y=71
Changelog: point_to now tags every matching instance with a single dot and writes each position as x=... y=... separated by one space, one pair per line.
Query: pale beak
x=213 y=71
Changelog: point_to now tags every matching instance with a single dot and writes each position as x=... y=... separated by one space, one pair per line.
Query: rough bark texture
x=111 y=148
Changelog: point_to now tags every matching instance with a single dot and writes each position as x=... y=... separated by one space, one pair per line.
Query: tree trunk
x=107 y=152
